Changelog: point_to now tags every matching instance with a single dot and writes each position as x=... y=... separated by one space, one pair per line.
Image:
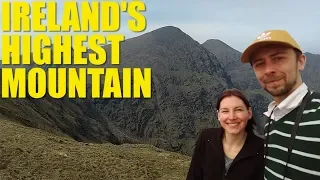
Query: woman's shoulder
x=258 y=138
x=210 y=134
x=210 y=131
x=256 y=141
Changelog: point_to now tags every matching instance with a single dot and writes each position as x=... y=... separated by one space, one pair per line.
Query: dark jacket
x=208 y=159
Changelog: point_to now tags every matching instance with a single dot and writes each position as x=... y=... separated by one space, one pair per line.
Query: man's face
x=277 y=69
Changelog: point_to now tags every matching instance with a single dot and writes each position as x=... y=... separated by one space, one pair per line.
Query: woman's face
x=233 y=115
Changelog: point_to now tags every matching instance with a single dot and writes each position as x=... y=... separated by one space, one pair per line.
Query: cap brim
x=246 y=55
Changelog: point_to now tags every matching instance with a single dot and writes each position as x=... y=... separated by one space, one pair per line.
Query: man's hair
x=237 y=93
x=298 y=53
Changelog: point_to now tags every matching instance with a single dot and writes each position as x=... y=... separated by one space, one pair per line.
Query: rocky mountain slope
x=27 y=153
x=78 y=119
x=311 y=73
x=230 y=60
x=186 y=80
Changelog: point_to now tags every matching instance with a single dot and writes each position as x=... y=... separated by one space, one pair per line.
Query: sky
x=235 y=22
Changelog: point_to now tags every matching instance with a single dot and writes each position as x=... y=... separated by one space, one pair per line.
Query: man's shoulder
x=315 y=93
x=312 y=109
x=314 y=100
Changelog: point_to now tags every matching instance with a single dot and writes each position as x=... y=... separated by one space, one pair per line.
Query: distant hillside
x=311 y=73
x=241 y=74
x=77 y=118
x=27 y=153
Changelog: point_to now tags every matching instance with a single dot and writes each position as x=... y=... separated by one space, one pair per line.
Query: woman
x=232 y=152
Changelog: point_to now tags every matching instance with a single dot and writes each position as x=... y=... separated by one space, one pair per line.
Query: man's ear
x=302 y=62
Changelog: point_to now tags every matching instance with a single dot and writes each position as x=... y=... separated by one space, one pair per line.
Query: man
x=292 y=150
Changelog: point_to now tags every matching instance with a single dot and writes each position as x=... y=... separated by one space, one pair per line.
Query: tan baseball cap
x=269 y=37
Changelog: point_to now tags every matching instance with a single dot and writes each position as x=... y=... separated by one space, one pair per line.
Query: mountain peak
x=170 y=33
x=215 y=41
x=167 y=28
x=166 y=36
x=218 y=44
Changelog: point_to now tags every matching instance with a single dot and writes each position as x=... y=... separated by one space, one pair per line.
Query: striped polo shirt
x=305 y=158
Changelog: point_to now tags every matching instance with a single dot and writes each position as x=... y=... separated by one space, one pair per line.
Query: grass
x=27 y=153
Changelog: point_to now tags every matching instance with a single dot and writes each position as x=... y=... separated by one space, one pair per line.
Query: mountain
x=230 y=60
x=186 y=80
x=78 y=119
x=26 y=153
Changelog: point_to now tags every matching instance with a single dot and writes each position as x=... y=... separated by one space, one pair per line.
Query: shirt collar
x=291 y=102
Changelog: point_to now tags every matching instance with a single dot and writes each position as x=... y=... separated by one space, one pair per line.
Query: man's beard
x=281 y=91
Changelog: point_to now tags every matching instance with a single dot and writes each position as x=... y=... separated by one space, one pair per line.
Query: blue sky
x=235 y=22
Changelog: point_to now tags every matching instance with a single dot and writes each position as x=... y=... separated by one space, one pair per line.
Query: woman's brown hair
x=237 y=93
